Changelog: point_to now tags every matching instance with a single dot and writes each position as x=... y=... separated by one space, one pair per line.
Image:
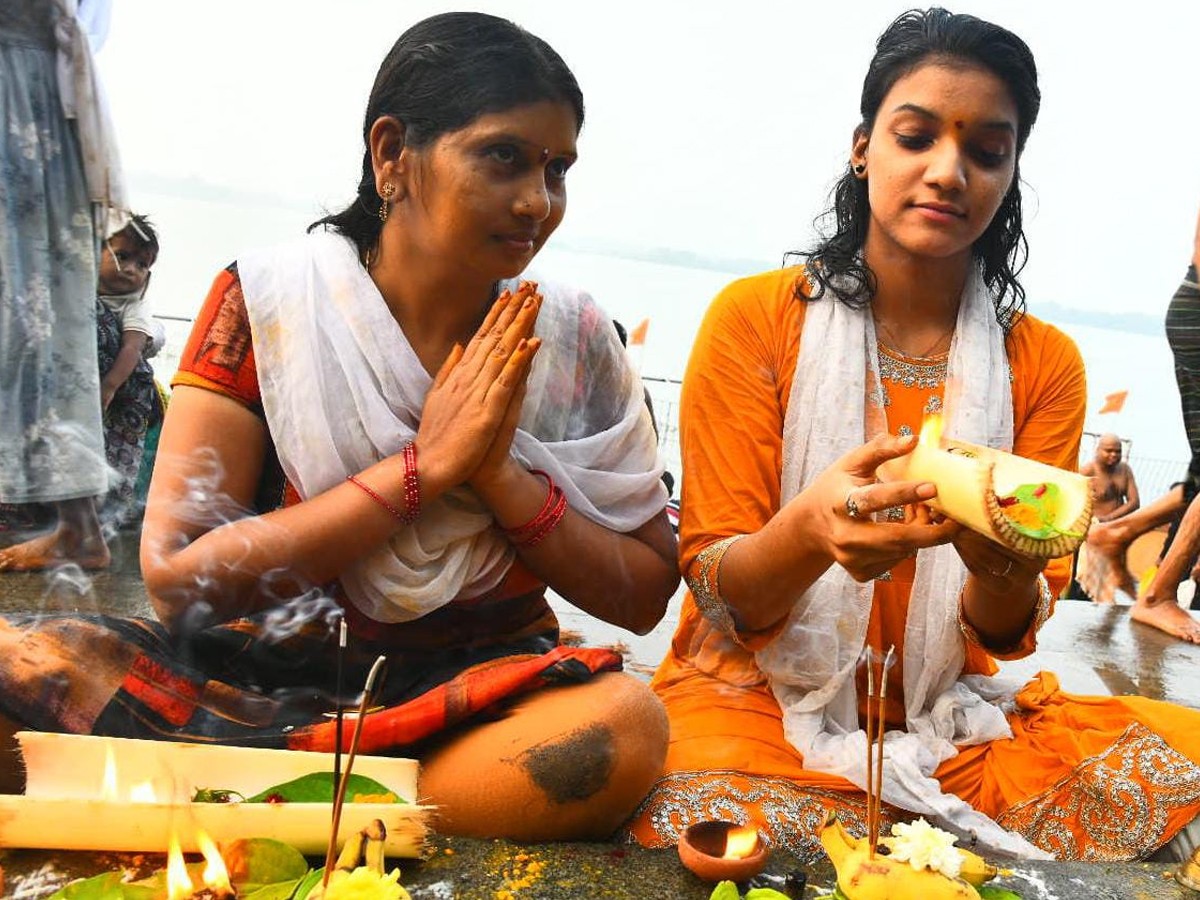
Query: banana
x=352 y=851
x=976 y=870
x=863 y=877
x=373 y=857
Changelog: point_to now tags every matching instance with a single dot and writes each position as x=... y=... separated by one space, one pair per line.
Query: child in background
x=125 y=329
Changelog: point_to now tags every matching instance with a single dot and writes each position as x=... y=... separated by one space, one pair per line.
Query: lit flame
x=179 y=882
x=216 y=876
x=931 y=431
x=740 y=842
x=143 y=793
x=108 y=786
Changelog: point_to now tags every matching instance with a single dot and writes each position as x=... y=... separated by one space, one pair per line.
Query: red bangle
x=412 y=488
x=535 y=530
x=412 y=491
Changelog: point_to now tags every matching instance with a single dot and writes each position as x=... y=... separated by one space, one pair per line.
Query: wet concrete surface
x=497 y=870
x=1093 y=650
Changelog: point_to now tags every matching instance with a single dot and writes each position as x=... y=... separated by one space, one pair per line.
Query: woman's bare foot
x=62 y=546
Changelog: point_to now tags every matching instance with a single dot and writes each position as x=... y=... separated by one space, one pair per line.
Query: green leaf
x=282 y=890
x=991 y=892
x=317 y=787
x=262 y=861
x=766 y=893
x=725 y=890
x=108 y=886
x=308 y=882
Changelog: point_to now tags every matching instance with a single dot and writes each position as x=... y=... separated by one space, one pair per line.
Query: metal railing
x=1154 y=476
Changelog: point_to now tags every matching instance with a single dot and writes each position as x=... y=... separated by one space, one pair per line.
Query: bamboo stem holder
x=75 y=800
x=974 y=482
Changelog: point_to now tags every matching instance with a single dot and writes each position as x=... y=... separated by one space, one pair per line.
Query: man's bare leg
x=1107 y=543
x=1157 y=606
x=76 y=539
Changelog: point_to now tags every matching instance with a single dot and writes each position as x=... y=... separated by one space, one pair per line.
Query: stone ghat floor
x=497 y=870
x=1093 y=649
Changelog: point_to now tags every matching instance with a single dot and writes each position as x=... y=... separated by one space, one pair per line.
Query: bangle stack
x=412 y=488
x=535 y=530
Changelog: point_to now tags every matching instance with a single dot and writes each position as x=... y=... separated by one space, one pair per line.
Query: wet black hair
x=441 y=75
x=917 y=37
x=142 y=233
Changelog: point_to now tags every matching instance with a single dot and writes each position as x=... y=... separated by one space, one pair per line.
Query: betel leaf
x=283 y=890
x=991 y=892
x=317 y=787
x=308 y=882
x=1032 y=510
x=725 y=890
x=256 y=862
x=108 y=886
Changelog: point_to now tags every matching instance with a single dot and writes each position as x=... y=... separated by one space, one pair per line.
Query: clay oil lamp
x=1188 y=874
x=723 y=851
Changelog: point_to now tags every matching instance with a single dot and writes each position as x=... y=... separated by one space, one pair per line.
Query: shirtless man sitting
x=1114 y=489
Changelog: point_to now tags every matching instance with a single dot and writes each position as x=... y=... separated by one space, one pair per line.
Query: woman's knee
x=566 y=763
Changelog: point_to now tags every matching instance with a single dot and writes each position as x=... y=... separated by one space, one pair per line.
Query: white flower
x=924 y=847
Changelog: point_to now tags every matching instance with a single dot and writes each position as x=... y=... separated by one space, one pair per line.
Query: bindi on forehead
x=959 y=124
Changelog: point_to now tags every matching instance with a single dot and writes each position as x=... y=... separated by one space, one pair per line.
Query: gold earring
x=386 y=192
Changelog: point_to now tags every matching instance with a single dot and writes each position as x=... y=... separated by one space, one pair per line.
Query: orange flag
x=637 y=337
x=1114 y=402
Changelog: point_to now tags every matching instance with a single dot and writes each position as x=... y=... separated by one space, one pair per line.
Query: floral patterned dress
x=51 y=442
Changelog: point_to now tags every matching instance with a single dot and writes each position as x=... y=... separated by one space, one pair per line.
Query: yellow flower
x=924 y=847
x=365 y=884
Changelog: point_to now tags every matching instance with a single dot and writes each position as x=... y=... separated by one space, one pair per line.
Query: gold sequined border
x=1041 y=612
x=791 y=816
x=1114 y=806
x=705 y=587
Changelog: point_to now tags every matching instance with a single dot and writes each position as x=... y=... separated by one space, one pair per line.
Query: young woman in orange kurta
x=933 y=169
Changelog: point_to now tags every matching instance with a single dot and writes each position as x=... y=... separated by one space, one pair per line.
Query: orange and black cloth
x=246 y=683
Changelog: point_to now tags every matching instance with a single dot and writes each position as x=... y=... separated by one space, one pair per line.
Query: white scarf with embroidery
x=342 y=389
x=836 y=403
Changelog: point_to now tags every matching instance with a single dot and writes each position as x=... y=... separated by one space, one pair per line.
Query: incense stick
x=870 y=751
x=340 y=796
x=879 y=718
x=338 y=712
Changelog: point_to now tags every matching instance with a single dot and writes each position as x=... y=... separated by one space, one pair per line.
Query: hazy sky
x=715 y=128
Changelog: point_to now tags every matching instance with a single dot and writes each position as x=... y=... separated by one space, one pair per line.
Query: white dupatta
x=836 y=404
x=342 y=388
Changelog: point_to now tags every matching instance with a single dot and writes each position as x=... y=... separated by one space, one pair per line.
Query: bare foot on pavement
x=60 y=547
x=1167 y=615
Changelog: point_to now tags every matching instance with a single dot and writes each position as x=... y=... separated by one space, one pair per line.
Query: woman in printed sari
x=802 y=382
x=379 y=413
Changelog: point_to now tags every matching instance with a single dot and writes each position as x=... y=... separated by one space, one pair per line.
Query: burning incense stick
x=338 y=715
x=879 y=721
x=340 y=796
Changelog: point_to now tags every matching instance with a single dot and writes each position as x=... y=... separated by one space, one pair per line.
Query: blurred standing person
x=1157 y=605
x=61 y=178
x=1114 y=489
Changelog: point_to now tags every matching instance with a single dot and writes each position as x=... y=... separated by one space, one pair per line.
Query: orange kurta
x=1053 y=781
